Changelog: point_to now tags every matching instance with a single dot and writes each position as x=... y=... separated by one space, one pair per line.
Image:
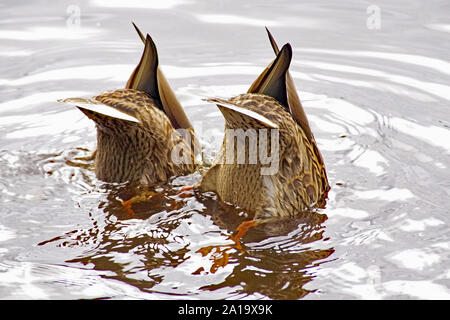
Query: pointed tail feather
x=141 y=35
x=272 y=81
x=273 y=43
x=149 y=78
x=298 y=113
x=295 y=105
x=144 y=76
x=172 y=107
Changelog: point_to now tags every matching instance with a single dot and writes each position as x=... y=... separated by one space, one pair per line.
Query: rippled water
x=376 y=92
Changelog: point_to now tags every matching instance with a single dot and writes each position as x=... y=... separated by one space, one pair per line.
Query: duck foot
x=138 y=198
x=88 y=158
x=186 y=191
x=220 y=253
x=242 y=229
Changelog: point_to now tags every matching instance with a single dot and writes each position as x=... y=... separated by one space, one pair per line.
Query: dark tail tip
x=273 y=43
x=141 y=35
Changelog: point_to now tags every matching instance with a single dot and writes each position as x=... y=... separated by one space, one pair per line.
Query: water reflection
x=156 y=249
x=278 y=270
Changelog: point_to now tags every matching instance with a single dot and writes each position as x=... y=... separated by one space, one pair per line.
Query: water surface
x=376 y=92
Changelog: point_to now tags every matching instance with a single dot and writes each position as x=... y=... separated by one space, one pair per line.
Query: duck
x=269 y=118
x=143 y=134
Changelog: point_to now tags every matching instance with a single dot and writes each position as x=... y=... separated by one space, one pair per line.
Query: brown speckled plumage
x=136 y=127
x=138 y=152
x=299 y=184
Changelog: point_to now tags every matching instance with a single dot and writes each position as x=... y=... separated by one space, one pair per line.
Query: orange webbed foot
x=138 y=198
x=186 y=191
x=242 y=229
x=127 y=206
x=220 y=253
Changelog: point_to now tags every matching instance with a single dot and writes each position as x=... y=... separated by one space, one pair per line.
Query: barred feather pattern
x=301 y=182
x=137 y=152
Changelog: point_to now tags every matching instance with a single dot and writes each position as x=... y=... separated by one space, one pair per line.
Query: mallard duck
x=140 y=128
x=299 y=181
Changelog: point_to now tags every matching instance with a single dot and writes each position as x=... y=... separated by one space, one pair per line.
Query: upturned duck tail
x=148 y=77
